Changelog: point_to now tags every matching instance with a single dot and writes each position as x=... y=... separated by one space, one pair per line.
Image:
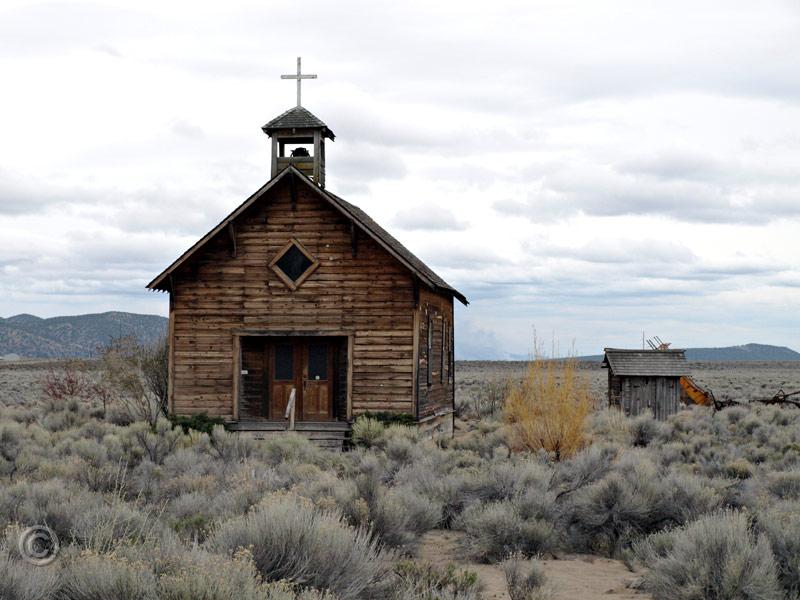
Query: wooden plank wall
x=658 y=395
x=439 y=396
x=614 y=389
x=370 y=295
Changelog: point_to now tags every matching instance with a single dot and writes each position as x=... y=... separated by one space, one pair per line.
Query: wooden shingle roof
x=407 y=256
x=646 y=363
x=357 y=216
x=297 y=118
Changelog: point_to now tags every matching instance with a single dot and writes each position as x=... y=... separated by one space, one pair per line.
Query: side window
x=451 y=363
x=443 y=352
x=430 y=349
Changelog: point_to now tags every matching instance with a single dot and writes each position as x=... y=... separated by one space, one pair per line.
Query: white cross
x=299 y=78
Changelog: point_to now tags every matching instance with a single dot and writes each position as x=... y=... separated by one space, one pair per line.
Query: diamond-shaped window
x=293 y=264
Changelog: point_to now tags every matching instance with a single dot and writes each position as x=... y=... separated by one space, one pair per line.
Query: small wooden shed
x=645 y=380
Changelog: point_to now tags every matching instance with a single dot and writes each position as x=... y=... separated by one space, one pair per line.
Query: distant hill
x=746 y=352
x=80 y=336
x=759 y=352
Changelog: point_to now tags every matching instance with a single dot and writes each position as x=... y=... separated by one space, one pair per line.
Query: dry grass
x=549 y=407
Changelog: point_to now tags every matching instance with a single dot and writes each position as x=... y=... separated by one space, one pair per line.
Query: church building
x=298 y=305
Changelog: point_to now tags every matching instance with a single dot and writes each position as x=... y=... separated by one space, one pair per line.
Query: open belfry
x=298 y=310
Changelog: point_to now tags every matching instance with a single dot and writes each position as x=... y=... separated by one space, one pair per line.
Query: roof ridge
x=649 y=350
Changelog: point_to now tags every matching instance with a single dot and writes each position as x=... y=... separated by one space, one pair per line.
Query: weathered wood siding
x=221 y=290
x=435 y=381
x=658 y=395
x=614 y=389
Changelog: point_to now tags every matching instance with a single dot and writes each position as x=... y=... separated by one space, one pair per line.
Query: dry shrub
x=716 y=557
x=66 y=385
x=548 y=408
x=200 y=575
x=781 y=524
x=525 y=581
x=495 y=530
x=136 y=374
x=424 y=581
x=93 y=576
x=291 y=540
x=21 y=581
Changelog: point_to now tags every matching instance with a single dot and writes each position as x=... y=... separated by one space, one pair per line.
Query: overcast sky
x=589 y=169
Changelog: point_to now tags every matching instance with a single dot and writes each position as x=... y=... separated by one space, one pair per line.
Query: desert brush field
x=580 y=502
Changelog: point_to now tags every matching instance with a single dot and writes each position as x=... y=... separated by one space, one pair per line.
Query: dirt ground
x=570 y=577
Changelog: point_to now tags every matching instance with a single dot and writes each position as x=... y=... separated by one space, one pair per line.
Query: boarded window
x=284 y=362
x=451 y=365
x=294 y=264
x=318 y=361
x=430 y=349
x=443 y=352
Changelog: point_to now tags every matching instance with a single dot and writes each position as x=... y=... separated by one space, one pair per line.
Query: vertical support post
x=171 y=355
x=274 y=157
x=316 y=172
x=350 y=348
x=415 y=367
x=237 y=374
x=451 y=361
x=321 y=162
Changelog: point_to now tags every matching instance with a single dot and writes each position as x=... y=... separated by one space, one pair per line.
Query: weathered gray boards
x=298 y=289
x=645 y=380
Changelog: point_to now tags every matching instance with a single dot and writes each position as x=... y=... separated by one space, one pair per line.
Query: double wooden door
x=303 y=364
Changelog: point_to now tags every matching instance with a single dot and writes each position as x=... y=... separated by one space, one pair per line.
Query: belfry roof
x=297 y=117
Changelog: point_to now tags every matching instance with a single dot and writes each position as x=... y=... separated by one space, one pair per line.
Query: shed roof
x=297 y=117
x=352 y=212
x=646 y=363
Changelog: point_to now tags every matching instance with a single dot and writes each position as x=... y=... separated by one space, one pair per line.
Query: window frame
x=444 y=352
x=429 y=344
x=288 y=282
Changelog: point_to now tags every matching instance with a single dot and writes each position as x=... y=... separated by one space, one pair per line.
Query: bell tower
x=298 y=138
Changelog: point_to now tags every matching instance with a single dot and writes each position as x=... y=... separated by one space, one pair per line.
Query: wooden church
x=298 y=294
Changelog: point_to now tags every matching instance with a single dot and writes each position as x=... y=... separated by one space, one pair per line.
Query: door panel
x=303 y=364
x=253 y=390
x=317 y=380
x=284 y=375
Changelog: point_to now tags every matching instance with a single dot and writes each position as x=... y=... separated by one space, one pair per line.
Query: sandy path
x=572 y=577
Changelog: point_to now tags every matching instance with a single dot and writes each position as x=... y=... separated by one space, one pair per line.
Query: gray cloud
x=688 y=190
x=676 y=165
x=23 y=195
x=428 y=217
x=56 y=27
x=183 y=128
x=364 y=163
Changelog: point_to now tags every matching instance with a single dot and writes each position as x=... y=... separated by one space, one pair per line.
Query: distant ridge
x=29 y=336
x=759 y=352
x=745 y=352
